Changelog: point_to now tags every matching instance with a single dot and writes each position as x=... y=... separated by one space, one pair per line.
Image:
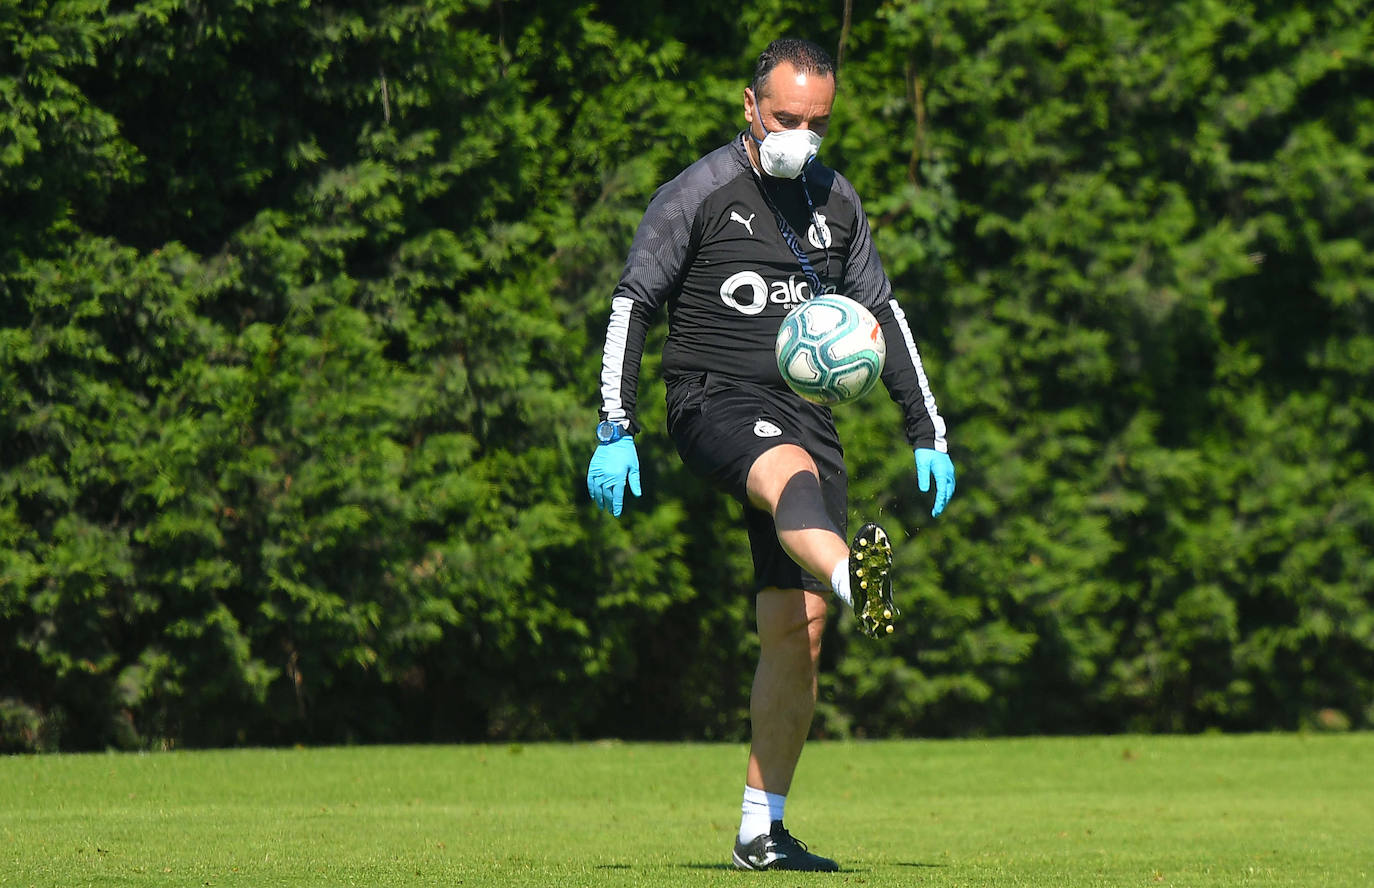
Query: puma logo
x=747 y=223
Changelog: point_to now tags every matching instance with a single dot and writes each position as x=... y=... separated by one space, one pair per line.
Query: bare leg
x=785 y=482
x=783 y=702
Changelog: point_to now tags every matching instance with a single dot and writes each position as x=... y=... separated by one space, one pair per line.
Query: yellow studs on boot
x=870 y=567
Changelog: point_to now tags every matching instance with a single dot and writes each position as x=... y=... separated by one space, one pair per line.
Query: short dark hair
x=805 y=56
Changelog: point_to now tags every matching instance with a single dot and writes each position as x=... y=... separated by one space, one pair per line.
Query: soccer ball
x=830 y=350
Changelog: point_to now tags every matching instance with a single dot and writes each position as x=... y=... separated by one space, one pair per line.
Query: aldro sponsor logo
x=748 y=293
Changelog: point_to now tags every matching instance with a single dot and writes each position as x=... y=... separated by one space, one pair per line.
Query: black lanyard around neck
x=790 y=236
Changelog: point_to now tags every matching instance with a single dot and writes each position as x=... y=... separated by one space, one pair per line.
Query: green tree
x=301 y=308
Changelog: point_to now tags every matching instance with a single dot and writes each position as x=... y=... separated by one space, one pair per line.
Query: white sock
x=839 y=582
x=758 y=812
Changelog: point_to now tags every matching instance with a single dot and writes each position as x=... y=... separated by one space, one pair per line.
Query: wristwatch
x=608 y=432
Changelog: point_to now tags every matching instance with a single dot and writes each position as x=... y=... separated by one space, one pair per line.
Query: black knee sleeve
x=801 y=506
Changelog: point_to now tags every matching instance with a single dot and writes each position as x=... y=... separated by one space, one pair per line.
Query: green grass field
x=1186 y=811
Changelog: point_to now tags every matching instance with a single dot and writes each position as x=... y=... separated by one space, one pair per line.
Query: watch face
x=605 y=432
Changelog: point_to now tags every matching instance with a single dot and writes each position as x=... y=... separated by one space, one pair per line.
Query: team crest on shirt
x=819 y=233
x=765 y=429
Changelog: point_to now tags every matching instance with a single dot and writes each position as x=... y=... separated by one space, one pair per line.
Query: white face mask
x=784 y=153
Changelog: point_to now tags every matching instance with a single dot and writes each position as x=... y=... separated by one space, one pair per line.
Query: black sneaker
x=778 y=850
x=870 y=580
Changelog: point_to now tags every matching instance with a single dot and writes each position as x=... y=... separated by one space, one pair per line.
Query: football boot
x=777 y=849
x=870 y=580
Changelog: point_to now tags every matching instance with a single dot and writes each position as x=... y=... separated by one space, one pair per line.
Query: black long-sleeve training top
x=710 y=248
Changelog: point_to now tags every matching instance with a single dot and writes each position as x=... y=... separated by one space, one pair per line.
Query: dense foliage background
x=301 y=309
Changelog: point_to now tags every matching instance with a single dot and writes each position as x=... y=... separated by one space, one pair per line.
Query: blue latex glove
x=930 y=462
x=611 y=463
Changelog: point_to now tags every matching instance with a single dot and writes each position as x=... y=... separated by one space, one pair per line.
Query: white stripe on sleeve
x=927 y=396
x=613 y=358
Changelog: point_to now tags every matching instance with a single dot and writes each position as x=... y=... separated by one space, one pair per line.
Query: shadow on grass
x=843 y=869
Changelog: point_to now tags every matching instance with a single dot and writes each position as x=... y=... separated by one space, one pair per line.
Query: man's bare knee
x=796 y=626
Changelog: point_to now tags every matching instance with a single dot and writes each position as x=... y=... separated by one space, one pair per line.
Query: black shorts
x=721 y=425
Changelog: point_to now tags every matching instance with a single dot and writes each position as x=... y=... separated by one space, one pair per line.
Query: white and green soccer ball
x=830 y=350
